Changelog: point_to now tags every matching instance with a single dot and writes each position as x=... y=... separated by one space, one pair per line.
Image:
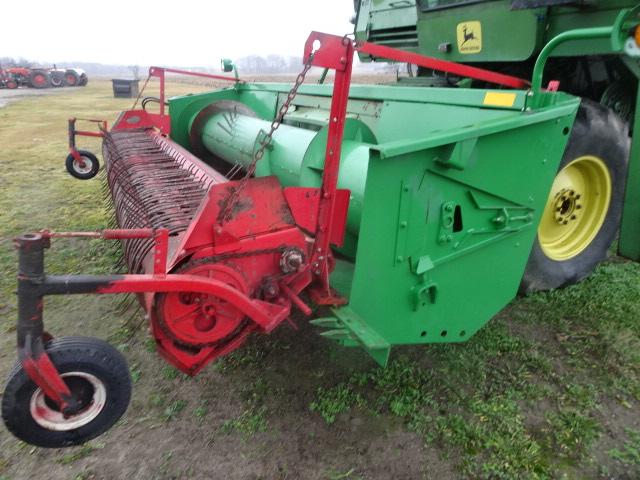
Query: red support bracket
x=73 y=133
x=162 y=120
x=380 y=51
x=336 y=53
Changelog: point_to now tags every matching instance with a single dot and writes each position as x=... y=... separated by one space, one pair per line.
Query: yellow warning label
x=469 y=37
x=499 y=99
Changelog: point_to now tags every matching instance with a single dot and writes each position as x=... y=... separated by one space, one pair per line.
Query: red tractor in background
x=42 y=77
x=7 y=80
x=31 y=77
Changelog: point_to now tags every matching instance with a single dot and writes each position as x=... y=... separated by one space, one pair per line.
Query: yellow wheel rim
x=576 y=208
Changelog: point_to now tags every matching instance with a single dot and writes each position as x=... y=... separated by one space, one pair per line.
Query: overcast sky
x=177 y=32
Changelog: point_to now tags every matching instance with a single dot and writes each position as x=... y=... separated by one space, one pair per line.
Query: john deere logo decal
x=469 y=37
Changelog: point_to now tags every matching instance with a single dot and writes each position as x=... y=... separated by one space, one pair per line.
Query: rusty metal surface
x=153 y=183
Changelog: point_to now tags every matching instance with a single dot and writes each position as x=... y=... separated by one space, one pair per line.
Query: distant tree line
x=269 y=64
x=8 y=62
x=251 y=64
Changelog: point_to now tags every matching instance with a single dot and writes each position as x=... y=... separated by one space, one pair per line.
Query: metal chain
x=232 y=198
x=135 y=104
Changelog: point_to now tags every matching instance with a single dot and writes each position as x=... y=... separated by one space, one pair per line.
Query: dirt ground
x=549 y=389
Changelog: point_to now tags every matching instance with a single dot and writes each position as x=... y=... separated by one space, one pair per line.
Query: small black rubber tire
x=600 y=132
x=69 y=354
x=84 y=79
x=57 y=79
x=89 y=157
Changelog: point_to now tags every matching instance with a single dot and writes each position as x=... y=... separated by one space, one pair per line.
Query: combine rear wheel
x=39 y=79
x=582 y=214
x=97 y=375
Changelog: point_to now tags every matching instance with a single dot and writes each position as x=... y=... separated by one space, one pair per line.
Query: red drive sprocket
x=196 y=327
x=200 y=320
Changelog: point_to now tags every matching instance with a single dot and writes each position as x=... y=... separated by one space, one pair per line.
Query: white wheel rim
x=88 y=165
x=52 y=419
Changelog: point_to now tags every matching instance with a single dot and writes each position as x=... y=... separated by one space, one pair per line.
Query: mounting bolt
x=442 y=238
x=448 y=207
x=291 y=260
x=399 y=258
x=449 y=238
x=403 y=224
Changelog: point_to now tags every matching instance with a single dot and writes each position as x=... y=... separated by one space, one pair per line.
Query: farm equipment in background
x=31 y=77
x=410 y=213
x=47 y=77
x=7 y=80
x=76 y=77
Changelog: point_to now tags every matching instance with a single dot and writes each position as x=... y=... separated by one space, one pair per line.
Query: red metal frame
x=250 y=234
x=160 y=73
x=380 y=51
x=73 y=133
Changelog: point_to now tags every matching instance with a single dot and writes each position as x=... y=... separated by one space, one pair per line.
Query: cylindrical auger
x=295 y=155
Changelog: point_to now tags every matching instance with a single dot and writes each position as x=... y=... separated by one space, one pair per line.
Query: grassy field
x=550 y=388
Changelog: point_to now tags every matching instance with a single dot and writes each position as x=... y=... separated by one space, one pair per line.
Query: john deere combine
x=409 y=212
x=510 y=36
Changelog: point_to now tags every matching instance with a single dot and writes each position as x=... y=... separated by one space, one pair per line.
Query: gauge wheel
x=84 y=170
x=582 y=214
x=97 y=375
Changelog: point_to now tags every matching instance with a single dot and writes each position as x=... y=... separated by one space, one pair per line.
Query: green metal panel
x=629 y=245
x=444 y=207
x=507 y=34
x=416 y=280
x=603 y=14
x=495 y=31
x=388 y=22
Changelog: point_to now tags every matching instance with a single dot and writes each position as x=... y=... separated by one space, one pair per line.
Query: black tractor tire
x=71 y=78
x=91 y=169
x=94 y=371
x=597 y=132
x=57 y=79
x=39 y=79
x=11 y=84
x=84 y=79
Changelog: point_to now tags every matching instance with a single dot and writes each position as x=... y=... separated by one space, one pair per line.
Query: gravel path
x=7 y=96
